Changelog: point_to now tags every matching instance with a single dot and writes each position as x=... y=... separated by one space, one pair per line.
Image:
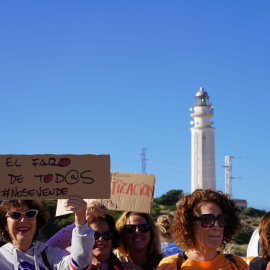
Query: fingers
x=97 y=266
x=93 y=209
x=94 y=267
x=75 y=204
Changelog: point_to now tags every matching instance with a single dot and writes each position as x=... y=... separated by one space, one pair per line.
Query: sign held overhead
x=54 y=176
x=129 y=192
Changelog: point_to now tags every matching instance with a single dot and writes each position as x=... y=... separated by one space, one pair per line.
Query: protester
x=106 y=238
x=204 y=221
x=139 y=241
x=21 y=221
x=260 y=263
x=168 y=242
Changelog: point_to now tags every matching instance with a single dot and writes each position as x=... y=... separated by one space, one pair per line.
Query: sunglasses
x=143 y=228
x=16 y=215
x=105 y=235
x=209 y=220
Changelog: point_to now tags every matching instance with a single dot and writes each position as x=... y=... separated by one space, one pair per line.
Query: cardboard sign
x=54 y=176
x=129 y=192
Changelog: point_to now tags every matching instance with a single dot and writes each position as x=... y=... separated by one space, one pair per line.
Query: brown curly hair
x=42 y=216
x=188 y=208
x=264 y=232
x=153 y=252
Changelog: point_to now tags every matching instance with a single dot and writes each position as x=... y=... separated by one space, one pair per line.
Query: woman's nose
x=23 y=218
x=216 y=223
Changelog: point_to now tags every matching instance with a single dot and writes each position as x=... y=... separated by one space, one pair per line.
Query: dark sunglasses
x=105 y=235
x=143 y=228
x=209 y=220
x=29 y=214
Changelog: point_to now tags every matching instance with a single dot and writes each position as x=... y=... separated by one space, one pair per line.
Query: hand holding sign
x=77 y=205
x=97 y=265
x=93 y=209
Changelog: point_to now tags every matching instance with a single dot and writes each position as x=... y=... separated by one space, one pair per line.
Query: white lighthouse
x=203 y=171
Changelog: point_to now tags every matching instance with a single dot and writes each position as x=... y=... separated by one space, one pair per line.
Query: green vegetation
x=170 y=198
x=166 y=204
x=250 y=219
x=239 y=250
x=55 y=223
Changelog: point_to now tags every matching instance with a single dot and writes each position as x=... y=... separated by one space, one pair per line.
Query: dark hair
x=110 y=220
x=153 y=252
x=42 y=216
x=188 y=208
x=264 y=232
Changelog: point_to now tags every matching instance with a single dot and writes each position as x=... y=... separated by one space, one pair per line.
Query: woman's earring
x=3 y=233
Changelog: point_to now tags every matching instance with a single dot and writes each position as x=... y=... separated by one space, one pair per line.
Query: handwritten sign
x=129 y=192
x=54 y=176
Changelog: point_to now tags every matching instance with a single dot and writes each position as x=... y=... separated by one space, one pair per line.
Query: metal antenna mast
x=144 y=160
x=228 y=175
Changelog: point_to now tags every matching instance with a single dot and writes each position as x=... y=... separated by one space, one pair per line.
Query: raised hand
x=77 y=205
x=97 y=266
x=94 y=209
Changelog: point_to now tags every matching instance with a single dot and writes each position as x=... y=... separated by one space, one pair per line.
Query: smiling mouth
x=23 y=229
x=138 y=240
x=99 y=246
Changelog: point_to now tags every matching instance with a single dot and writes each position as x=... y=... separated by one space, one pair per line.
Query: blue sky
x=113 y=77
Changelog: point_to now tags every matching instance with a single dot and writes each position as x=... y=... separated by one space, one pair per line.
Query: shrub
x=252 y=212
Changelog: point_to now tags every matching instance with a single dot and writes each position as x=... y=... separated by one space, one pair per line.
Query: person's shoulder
x=40 y=246
x=2 y=242
x=241 y=264
x=168 y=261
x=171 y=258
x=50 y=251
x=7 y=247
x=258 y=263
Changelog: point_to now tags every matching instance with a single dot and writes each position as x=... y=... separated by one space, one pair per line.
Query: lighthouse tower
x=203 y=171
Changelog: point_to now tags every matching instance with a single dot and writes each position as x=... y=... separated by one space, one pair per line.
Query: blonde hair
x=164 y=223
x=154 y=254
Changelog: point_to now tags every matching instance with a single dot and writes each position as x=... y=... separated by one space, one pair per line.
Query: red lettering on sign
x=132 y=189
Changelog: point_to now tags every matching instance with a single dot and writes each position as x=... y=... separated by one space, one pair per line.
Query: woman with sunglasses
x=21 y=221
x=139 y=241
x=106 y=238
x=205 y=221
